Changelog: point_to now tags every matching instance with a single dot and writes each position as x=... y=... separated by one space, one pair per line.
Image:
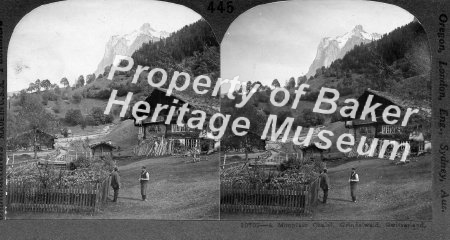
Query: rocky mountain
x=330 y=49
x=127 y=44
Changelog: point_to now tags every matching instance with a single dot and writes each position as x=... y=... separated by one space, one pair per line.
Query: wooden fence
x=297 y=199
x=154 y=148
x=31 y=197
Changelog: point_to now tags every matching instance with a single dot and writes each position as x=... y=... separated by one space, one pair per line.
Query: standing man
x=145 y=177
x=354 y=179
x=115 y=183
x=324 y=183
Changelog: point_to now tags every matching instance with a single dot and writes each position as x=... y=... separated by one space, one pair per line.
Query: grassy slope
x=124 y=135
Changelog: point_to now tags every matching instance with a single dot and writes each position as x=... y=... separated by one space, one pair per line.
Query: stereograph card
x=223 y=119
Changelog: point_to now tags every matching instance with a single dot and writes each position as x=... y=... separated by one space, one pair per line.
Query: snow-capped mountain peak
x=330 y=49
x=128 y=43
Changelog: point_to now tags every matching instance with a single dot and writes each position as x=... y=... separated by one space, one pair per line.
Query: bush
x=82 y=162
x=49 y=96
x=65 y=132
x=101 y=94
x=56 y=109
x=98 y=117
x=76 y=98
x=282 y=116
x=73 y=117
x=336 y=117
x=311 y=96
x=311 y=118
x=262 y=98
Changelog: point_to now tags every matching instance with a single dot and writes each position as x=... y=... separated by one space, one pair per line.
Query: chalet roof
x=208 y=105
x=424 y=110
x=109 y=144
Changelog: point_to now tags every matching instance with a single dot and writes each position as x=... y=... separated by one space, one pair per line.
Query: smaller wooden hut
x=311 y=152
x=102 y=149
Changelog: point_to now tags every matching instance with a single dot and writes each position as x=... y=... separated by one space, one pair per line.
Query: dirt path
x=177 y=190
x=385 y=192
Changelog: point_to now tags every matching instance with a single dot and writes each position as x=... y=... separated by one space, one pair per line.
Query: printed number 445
x=221 y=7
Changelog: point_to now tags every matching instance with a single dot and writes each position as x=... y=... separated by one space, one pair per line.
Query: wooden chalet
x=102 y=149
x=159 y=138
x=413 y=133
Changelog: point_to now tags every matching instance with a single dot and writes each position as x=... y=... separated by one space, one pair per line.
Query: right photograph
x=335 y=99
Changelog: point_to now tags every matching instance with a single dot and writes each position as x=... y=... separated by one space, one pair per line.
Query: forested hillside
x=193 y=49
x=399 y=63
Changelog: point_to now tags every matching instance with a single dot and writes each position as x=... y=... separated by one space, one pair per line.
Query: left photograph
x=100 y=113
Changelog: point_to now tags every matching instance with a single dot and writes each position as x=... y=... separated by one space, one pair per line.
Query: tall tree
x=248 y=86
x=276 y=83
x=90 y=78
x=46 y=84
x=38 y=85
x=80 y=81
x=34 y=119
x=31 y=87
x=301 y=80
x=290 y=84
x=65 y=82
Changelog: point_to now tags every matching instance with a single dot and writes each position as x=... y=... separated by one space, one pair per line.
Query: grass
x=125 y=135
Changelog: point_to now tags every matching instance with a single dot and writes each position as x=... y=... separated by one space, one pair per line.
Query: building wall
x=368 y=131
x=155 y=130
x=102 y=151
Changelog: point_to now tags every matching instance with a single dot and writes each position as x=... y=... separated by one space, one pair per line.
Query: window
x=388 y=129
x=191 y=143
x=367 y=130
x=154 y=128
x=176 y=128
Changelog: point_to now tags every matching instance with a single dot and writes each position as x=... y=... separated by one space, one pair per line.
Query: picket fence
x=35 y=198
x=296 y=199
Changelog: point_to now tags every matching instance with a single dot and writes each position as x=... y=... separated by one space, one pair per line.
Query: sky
x=280 y=40
x=68 y=38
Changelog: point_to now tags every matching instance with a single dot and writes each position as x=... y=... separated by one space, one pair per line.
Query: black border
x=427 y=12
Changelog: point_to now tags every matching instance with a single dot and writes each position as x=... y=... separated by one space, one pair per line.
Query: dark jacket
x=324 y=181
x=115 y=180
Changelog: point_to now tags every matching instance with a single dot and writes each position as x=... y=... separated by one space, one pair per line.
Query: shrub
x=76 y=98
x=311 y=118
x=282 y=116
x=65 y=132
x=56 y=109
x=311 y=96
x=103 y=94
x=82 y=162
x=98 y=117
x=336 y=117
x=73 y=117
x=49 y=96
